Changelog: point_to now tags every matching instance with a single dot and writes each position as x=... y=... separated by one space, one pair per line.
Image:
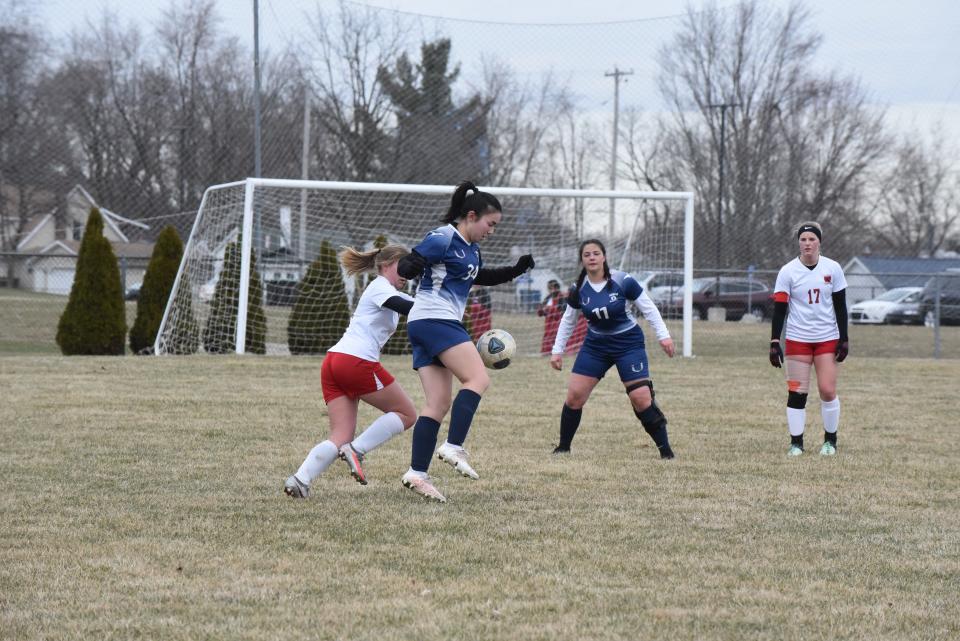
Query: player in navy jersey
x=352 y=372
x=448 y=264
x=613 y=338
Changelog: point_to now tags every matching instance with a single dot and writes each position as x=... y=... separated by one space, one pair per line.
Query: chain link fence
x=745 y=105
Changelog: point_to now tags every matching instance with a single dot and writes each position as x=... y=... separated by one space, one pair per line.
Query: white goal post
x=241 y=284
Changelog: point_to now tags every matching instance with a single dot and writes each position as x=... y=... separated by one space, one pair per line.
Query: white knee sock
x=796 y=419
x=830 y=411
x=318 y=460
x=380 y=431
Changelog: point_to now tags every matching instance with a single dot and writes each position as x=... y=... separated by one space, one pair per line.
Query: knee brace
x=796 y=400
x=798 y=376
x=651 y=418
x=639 y=384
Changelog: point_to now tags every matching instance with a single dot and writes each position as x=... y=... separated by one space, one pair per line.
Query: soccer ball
x=496 y=348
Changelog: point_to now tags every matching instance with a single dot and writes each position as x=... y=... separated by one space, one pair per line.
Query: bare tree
x=186 y=35
x=798 y=144
x=349 y=48
x=519 y=122
x=30 y=142
x=917 y=206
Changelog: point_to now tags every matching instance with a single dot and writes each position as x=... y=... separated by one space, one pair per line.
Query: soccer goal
x=259 y=273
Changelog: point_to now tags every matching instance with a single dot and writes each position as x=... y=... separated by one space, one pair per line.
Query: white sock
x=318 y=460
x=830 y=411
x=380 y=431
x=413 y=472
x=796 y=419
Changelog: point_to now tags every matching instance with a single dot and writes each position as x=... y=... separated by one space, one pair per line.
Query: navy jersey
x=452 y=264
x=607 y=311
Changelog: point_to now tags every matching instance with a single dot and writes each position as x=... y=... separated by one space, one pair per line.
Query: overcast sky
x=906 y=53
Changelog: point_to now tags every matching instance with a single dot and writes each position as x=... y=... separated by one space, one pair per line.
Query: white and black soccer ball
x=496 y=348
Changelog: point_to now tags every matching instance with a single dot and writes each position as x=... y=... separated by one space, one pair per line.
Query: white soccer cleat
x=296 y=489
x=354 y=460
x=795 y=450
x=828 y=449
x=456 y=457
x=422 y=486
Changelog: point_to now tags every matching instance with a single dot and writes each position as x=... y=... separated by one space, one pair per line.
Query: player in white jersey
x=812 y=288
x=448 y=262
x=352 y=372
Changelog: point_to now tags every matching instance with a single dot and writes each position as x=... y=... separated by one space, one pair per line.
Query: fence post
x=936 y=317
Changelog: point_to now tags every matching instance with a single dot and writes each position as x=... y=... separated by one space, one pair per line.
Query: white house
x=48 y=254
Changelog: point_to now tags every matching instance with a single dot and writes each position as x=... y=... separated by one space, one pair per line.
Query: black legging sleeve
x=398 y=304
x=496 y=275
x=840 y=309
x=779 y=316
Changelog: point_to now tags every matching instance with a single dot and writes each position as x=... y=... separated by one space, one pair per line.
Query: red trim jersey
x=811 y=317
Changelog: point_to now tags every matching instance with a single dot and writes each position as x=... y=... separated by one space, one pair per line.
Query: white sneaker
x=354 y=461
x=422 y=486
x=296 y=489
x=456 y=457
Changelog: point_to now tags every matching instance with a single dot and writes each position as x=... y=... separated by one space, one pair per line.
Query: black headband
x=810 y=228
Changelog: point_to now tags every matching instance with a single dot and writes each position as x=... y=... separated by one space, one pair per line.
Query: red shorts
x=346 y=375
x=796 y=348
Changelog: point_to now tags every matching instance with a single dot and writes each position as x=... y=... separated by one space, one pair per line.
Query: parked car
x=900 y=304
x=948 y=285
x=133 y=292
x=739 y=296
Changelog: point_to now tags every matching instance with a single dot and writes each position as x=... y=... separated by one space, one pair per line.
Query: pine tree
x=220 y=332
x=320 y=314
x=155 y=291
x=94 y=321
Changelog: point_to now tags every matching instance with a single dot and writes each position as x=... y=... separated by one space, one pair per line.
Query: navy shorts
x=626 y=350
x=429 y=337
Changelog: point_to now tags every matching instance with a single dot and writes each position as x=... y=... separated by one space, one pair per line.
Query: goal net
x=259 y=273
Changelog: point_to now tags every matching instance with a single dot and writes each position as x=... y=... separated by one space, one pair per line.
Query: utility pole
x=616 y=74
x=722 y=106
x=256 y=89
x=305 y=175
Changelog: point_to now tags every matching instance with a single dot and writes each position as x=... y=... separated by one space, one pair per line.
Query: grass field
x=142 y=499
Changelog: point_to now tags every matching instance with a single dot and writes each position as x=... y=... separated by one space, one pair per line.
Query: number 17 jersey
x=811 y=317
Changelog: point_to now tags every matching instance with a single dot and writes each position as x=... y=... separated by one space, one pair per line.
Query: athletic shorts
x=430 y=336
x=797 y=348
x=346 y=375
x=626 y=350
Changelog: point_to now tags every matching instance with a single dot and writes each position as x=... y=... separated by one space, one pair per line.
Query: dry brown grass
x=141 y=499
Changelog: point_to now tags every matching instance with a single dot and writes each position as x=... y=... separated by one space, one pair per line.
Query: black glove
x=843 y=349
x=411 y=265
x=776 y=354
x=524 y=263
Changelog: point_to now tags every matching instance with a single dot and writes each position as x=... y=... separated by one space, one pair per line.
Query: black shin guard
x=569 y=422
x=655 y=423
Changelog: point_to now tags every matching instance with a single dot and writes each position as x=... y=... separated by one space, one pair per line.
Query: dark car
x=133 y=292
x=948 y=284
x=739 y=296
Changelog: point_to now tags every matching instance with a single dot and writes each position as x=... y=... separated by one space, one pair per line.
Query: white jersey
x=812 y=318
x=371 y=325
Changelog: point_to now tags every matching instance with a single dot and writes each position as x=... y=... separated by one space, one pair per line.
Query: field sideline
x=142 y=499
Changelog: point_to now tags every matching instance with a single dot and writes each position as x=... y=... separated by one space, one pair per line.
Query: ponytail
x=479 y=202
x=355 y=261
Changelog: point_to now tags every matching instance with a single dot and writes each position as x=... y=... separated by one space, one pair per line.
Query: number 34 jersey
x=452 y=264
x=811 y=317
x=606 y=310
